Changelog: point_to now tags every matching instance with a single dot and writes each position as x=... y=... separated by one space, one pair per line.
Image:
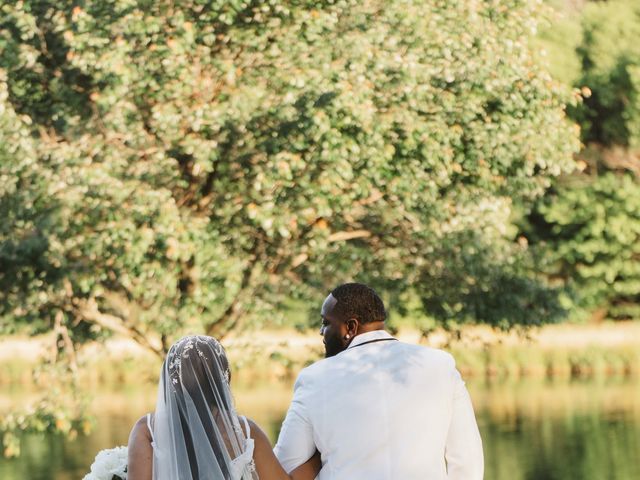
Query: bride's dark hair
x=198 y=370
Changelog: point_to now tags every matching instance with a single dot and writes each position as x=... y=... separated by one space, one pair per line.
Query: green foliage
x=45 y=417
x=60 y=410
x=490 y=284
x=611 y=55
x=188 y=166
x=586 y=227
x=589 y=230
x=559 y=39
x=597 y=49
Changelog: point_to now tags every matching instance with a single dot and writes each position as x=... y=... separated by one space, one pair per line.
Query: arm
x=267 y=464
x=463 y=451
x=295 y=443
x=308 y=470
x=140 y=452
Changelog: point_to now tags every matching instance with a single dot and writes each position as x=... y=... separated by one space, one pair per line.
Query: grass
x=524 y=361
x=562 y=351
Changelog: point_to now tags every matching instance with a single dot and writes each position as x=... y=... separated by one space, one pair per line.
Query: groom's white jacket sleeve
x=295 y=442
x=463 y=452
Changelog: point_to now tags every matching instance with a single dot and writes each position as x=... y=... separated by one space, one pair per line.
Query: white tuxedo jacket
x=383 y=410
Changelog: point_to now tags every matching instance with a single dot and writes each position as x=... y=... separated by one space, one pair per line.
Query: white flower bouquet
x=110 y=464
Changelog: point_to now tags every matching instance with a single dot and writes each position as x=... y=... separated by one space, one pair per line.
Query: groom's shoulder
x=315 y=370
x=316 y=367
x=410 y=351
x=428 y=354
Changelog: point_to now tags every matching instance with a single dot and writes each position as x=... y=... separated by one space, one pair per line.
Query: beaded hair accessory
x=195 y=349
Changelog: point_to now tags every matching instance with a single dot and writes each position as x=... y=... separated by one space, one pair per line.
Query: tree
x=593 y=241
x=610 y=54
x=586 y=226
x=170 y=166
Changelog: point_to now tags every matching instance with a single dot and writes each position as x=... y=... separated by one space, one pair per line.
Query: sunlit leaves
x=592 y=241
x=196 y=163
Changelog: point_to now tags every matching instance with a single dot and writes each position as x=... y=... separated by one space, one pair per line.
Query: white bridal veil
x=197 y=434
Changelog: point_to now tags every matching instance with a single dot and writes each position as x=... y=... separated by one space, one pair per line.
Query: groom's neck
x=370 y=327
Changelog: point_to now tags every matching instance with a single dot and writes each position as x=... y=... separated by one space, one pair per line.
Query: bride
x=195 y=432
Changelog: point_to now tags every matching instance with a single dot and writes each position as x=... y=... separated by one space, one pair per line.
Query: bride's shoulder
x=251 y=425
x=255 y=431
x=140 y=429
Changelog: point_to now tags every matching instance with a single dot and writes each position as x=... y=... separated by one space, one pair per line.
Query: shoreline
x=551 y=351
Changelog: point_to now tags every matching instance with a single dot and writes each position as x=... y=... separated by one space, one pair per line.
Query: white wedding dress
x=240 y=466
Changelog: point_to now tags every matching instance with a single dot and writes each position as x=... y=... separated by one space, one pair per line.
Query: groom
x=377 y=408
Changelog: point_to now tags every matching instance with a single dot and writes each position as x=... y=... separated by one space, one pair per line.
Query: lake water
x=579 y=430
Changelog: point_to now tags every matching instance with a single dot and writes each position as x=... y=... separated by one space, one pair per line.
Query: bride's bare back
x=140 y=462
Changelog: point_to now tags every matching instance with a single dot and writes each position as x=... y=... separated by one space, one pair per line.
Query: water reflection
x=531 y=430
x=578 y=430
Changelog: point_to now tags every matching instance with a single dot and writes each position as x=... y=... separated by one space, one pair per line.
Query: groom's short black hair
x=356 y=300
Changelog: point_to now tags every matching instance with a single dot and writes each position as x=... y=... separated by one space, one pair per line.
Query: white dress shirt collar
x=368 y=337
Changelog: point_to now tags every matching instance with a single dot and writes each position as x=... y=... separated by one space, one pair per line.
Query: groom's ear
x=352 y=326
